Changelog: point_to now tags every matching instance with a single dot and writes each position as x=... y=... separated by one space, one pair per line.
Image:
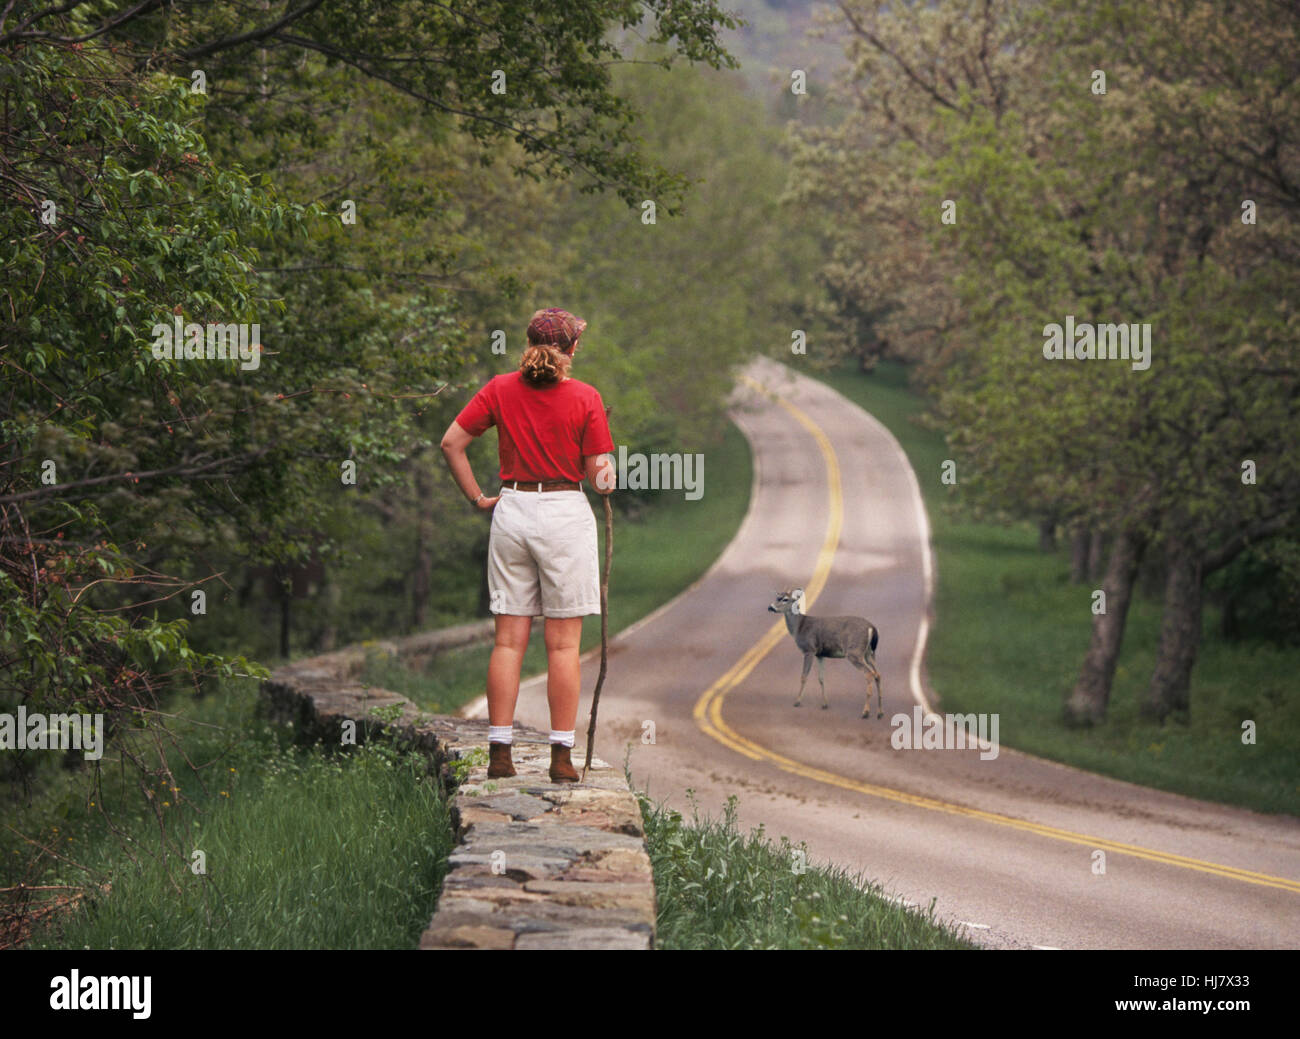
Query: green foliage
x=675 y=306
x=462 y=766
x=550 y=61
x=1259 y=593
x=1064 y=206
x=389 y=713
x=139 y=230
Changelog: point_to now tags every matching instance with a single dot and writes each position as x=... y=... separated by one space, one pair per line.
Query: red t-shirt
x=543 y=432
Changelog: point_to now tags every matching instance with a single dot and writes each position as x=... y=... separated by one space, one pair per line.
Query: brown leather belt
x=545 y=485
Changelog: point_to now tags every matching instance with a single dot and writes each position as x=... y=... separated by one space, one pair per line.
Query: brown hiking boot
x=562 y=770
x=499 y=764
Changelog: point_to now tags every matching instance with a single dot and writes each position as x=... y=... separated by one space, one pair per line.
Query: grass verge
x=301 y=848
x=1010 y=632
x=721 y=889
x=656 y=557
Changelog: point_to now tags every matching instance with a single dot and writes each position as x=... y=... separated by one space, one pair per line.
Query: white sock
x=565 y=739
x=501 y=734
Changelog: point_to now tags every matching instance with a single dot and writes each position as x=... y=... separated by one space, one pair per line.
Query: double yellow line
x=708 y=712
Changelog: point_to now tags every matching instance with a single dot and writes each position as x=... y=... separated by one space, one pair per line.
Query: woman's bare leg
x=563 y=681
x=503 y=669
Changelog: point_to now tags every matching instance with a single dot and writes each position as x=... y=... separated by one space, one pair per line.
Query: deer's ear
x=797 y=594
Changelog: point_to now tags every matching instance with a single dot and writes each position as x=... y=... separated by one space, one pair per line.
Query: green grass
x=655 y=557
x=721 y=889
x=1010 y=632
x=303 y=849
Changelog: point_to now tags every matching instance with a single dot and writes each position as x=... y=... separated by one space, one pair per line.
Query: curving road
x=1005 y=845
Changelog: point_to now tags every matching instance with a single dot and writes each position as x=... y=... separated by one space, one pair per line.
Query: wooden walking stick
x=604 y=627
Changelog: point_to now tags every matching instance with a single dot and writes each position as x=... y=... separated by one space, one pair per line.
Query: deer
x=840 y=638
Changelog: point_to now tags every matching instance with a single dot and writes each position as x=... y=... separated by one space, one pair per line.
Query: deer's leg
x=807 y=666
x=821 y=677
x=867 y=666
x=875 y=674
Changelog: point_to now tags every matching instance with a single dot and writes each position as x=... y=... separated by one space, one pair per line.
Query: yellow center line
x=708 y=712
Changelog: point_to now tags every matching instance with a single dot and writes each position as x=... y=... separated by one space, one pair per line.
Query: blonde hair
x=544 y=364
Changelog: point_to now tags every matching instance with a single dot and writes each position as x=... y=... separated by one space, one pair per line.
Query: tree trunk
x=286 y=610
x=331 y=595
x=422 y=573
x=1078 y=555
x=1087 y=702
x=1229 y=626
x=1096 y=553
x=1180 y=634
x=1047 y=534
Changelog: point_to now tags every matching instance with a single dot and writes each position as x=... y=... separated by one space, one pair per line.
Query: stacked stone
x=543 y=865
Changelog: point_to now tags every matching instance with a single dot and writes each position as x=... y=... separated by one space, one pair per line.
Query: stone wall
x=539 y=865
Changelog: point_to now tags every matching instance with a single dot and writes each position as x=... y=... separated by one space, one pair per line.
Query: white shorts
x=542 y=555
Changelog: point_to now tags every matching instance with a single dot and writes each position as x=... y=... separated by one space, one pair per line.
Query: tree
x=908 y=64
x=536 y=73
x=1219 y=84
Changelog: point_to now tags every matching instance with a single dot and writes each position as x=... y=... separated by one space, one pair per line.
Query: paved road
x=1005 y=845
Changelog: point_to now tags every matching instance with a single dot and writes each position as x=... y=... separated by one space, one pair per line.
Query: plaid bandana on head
x=555 y=326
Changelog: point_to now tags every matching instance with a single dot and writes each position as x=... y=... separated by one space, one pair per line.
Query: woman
x=552 y=432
